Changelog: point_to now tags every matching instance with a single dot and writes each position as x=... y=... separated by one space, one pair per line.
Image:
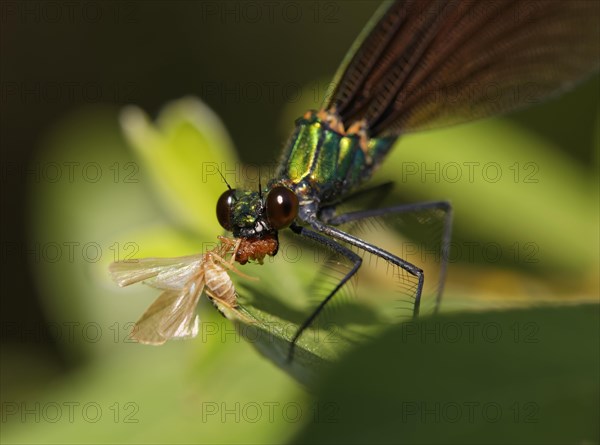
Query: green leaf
x=97 y=209
x=522 y=376
x=214 y=389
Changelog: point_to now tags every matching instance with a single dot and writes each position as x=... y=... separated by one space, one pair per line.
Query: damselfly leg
x=327 y=234
x=414 y=208
x=341 y=250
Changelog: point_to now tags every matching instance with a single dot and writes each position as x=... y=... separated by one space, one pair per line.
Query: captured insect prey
x=183 y=279
x=418 y=65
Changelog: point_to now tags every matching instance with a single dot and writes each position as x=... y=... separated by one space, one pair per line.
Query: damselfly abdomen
x=418 y=65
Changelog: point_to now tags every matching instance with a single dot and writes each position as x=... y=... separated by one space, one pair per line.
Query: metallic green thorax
x=332 y=161
x=321 y=162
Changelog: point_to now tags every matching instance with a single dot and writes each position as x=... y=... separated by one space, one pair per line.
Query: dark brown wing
x=431 y=63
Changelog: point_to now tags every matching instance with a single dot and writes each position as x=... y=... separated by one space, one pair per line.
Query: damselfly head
x=256 y=215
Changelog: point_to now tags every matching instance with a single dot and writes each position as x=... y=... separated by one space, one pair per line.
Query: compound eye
x=224 y=205
x=282 y=207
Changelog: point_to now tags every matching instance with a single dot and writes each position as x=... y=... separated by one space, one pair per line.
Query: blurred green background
x=82 y=186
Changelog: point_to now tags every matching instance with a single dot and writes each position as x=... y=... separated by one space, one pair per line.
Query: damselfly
x=418 y=65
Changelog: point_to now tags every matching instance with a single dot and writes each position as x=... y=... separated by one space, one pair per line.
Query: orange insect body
x=256 y=249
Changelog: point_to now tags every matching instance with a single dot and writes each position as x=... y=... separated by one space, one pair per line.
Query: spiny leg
x=342 y=250
x=357 y=242
x=443 y=206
